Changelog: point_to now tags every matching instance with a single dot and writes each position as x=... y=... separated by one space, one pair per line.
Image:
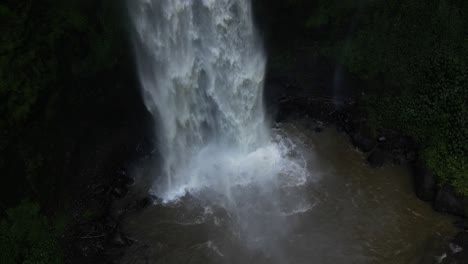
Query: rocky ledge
x=310 y=90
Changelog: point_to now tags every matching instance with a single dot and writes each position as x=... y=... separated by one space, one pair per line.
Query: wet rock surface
x=363 y=139
x=424 y=182
x=293 y=97
x=96 y=235
x=447 y=201
x=457 y=251
x=377 y=158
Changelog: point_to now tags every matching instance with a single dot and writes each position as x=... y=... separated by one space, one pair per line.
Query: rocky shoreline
x=95 y=234
x=295 y=97
x=381 y=147
x=288 y=96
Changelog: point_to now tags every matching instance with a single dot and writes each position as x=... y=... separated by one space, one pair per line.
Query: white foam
x=211 y=245
x=223 y=169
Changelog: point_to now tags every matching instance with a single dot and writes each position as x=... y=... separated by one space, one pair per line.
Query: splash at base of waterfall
x=345 y=212
x=226 y=170
x=202 y=66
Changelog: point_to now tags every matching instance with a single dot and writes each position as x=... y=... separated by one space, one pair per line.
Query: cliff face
x=71 y=105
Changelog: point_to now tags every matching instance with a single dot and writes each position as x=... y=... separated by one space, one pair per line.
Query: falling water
x=233 y=190
x=201 y=67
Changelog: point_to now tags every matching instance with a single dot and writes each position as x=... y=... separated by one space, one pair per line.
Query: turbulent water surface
x=345 y=213
x=232 y=190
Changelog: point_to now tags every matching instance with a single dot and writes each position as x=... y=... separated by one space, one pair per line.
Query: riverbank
x=299 y=85
x=359 y=214
x=74 y=125
x=112 y=137
x=290 y=94
x=326 y=93
x=307 y=89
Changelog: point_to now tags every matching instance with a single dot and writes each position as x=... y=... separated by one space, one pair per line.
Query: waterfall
x=201 y=67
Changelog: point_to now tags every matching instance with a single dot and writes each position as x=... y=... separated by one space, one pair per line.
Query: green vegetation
x=48 y=51
x=53 y=54
x=418 y=50
x=28 y=65
x=26 y=237
x=45 y=41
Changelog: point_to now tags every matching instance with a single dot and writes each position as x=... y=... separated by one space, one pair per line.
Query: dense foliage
x=53 y=54
x=418 y=51
x=48 y=48
x=38 y=37
x=26 y=237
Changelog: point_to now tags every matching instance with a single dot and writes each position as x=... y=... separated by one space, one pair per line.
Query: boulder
x=346 y=122
x=318 y=129
x=447 y=201
x=382 y=139
x=147 y=201
x=119 y=192
x=377 y=158
x=424 y=182
x=119 y=240
x=411 y=155
x=461 y=240
x=355 y=125
x=398 y=158
x=401 y=149
x=457 y=250
x=461 y=224
x=122 y=178
x=87 y=248
x=363 y=138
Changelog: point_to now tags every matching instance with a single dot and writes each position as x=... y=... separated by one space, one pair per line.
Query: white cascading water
x=201 y=66
x=248 y=199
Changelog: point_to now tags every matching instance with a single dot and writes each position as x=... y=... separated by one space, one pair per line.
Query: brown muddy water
x=344 y=212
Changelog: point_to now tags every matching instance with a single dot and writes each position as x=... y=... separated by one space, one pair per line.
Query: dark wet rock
x=116 y=212
x=403 y=149
x=87 y=247
x=101 y=189
x=461 y=224
x=119 y=240
x=400 y=149
x=125 y=181
x=344 y=120
x=411 y=155
x=363 y=138
x=123 y=178
x=377 y=158
x=140 y=254
x=403 y=157
x=130 y=181
x=147 y=201
x=122 y=172
x=424 y=182
x=398 y=158
x=382 y=139
x=462 y=240
x=447 y=201
x=119 y=192
x=319 y=127
x=457 y=250
x=111 y=223
x=320 y=124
